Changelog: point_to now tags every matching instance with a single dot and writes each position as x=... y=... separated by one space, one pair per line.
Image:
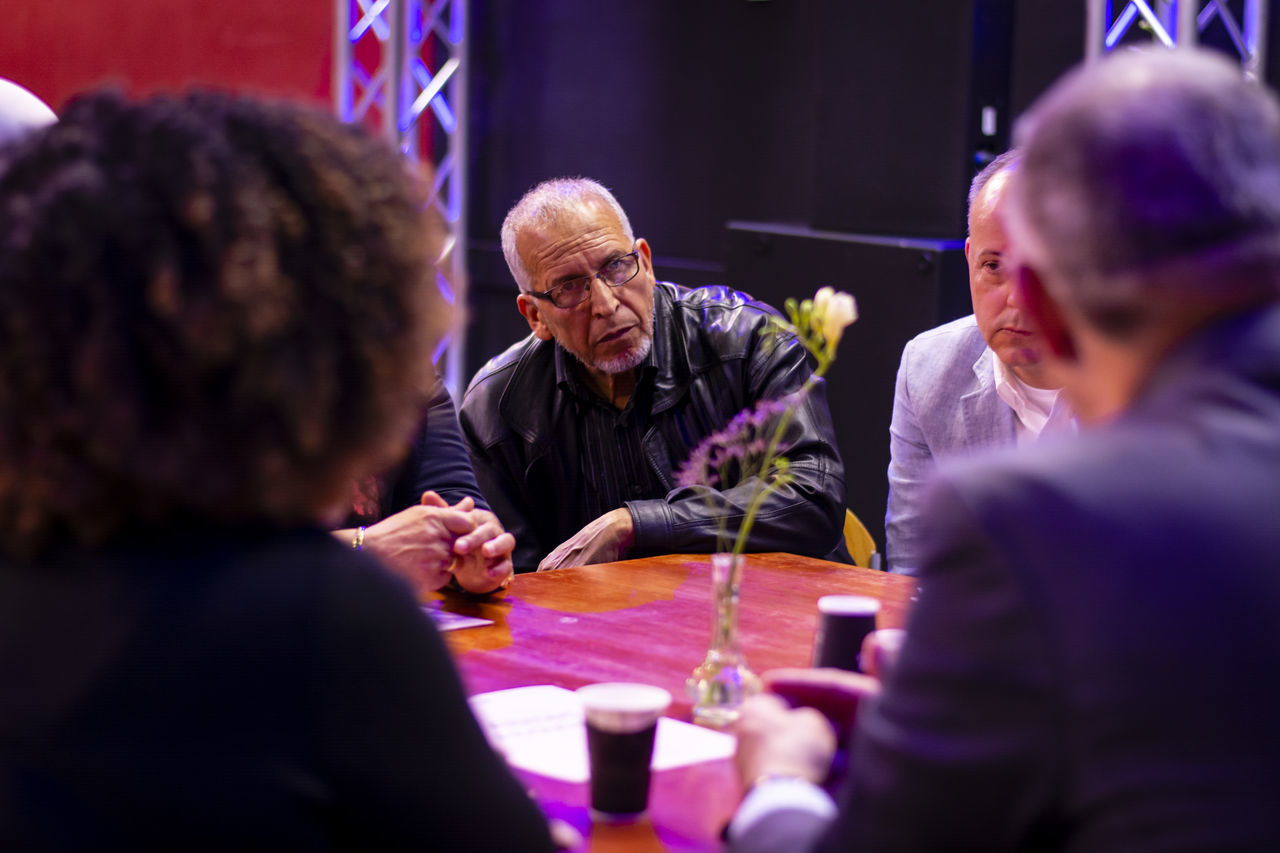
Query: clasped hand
x=429 y=543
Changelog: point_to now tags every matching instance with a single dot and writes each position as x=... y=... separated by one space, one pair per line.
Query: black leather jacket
x=712 y=362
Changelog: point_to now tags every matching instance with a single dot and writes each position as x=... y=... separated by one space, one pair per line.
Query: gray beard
x=631 y=360
x=623 y=363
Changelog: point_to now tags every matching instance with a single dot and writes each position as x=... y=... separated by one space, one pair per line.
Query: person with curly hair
x=217 y=314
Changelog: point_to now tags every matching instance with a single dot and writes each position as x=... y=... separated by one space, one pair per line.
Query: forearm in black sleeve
x=806 y=516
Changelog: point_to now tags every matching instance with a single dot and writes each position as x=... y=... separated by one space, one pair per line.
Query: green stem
x=770 y=486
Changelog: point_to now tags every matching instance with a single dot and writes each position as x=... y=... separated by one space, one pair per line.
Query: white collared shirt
x=1036 y=411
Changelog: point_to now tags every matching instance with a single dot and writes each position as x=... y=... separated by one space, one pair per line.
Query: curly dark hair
x=213 y=310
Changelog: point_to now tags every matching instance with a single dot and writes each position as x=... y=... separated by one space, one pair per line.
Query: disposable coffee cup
x=843 y=622
x=622 y=719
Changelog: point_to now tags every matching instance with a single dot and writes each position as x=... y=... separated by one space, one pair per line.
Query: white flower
x=832 y=313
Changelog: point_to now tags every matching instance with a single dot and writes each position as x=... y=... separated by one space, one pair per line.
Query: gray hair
x=544 y=205
x=1004 y=161
x=1148 y=176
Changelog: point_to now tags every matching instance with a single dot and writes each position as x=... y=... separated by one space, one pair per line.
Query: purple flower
x=740 y=448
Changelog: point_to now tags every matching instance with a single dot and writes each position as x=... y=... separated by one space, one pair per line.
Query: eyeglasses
x=575 y=291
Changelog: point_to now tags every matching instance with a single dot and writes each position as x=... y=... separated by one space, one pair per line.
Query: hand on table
x=604 y=540
x=416 y=543
x=429 y=543
x=482 y=555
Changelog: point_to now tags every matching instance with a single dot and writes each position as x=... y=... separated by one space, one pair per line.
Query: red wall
x=59 y=47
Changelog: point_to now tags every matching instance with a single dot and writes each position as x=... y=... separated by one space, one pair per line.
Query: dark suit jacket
x=205 y=689
x=1094 y=660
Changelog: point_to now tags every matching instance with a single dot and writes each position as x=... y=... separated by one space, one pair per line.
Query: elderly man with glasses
x=576 y=431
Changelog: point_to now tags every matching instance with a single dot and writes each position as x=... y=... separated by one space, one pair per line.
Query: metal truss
x=399 y=67
x=1180 y=22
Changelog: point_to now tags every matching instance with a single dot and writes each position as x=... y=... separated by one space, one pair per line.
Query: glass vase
x=723 y=680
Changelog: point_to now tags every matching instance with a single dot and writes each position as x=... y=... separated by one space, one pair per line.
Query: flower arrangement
x=751 y=445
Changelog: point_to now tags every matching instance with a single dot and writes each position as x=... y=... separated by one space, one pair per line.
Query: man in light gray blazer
x=973 y=383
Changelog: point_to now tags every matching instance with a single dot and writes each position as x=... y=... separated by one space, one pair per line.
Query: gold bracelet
x=358 y=541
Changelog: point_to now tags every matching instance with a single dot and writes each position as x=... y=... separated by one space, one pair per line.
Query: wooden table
x=649 y=620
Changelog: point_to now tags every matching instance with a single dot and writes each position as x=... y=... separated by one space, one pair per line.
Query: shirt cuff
x=774 y=795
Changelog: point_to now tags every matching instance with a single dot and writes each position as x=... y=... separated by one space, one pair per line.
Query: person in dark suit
x=217 y=313
x=1091 y=662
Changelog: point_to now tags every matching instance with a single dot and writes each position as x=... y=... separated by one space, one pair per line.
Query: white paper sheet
x=541 y=729
x=448 y=621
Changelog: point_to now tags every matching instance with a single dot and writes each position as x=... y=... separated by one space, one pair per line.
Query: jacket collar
x=670 y=355
x=537 y=393
x=984 y=417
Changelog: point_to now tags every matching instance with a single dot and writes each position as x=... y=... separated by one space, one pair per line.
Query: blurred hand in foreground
x=880 y=651
x=834 y=693
x=794 y=729
x=775 y=740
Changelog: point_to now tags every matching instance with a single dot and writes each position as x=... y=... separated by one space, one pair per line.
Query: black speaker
x=913 y=95
x=903 y=286
x=1048 y=40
